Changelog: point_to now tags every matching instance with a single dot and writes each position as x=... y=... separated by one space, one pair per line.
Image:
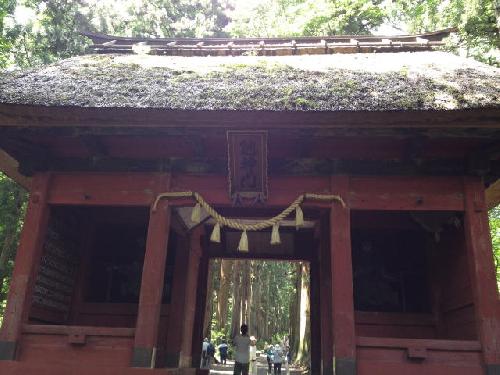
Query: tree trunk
x=245 y=288
x=295 y=312
x=256 y=302
x=236 y=313
x=222 y=296
x=303 y=354
x=207 y=322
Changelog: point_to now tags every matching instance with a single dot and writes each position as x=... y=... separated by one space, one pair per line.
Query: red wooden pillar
x=344 y=349
x=201 y=300
x=175 y=323
x=482 y=273
x=315 y=310
x=26 y=266
x=326 y=299
x=185 y=357
x=153 y=274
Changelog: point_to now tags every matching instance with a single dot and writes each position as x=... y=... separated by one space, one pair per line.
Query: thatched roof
x=355 y=82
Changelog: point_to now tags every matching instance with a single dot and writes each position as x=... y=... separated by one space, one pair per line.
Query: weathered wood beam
x=366 y=192
x=41 y=116
x=279 y=166
x=486 y=134
x=95 y=145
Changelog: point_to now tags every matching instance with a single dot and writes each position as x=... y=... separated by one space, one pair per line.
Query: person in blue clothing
x=269 y=357
x=210 y=353
x=277 y=359
x=223 y=352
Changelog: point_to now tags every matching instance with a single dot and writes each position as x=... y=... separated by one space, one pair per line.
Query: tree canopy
x=34 y=32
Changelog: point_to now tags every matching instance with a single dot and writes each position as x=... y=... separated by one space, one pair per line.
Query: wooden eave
x=142 y=121
x=18 y=115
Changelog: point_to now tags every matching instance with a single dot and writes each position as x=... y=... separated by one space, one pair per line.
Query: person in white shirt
x=204 y=356
x=241 y=352
x=253 y=355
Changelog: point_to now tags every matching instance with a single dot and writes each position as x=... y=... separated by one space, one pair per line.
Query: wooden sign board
x=247 y=157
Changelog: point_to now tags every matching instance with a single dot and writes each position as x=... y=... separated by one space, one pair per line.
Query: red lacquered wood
x=27 y=259
x=341 y=268
x=326 y=300
x=153 y=274
x=55 y=349
x=385 y=367
x=406 y=193
x=123 y=189
x=282 y=190
x=395 y=325
x=57 y=367
x=44 y=329
x=482 y=271
x=185 y=359
x=176 y=311
x=451 y=345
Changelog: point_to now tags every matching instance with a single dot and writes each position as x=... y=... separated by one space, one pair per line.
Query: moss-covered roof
x=385 y=81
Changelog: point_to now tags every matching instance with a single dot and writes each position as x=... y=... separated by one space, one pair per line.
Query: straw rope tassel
x=215 y=237
x=196 y=214
x=243 y=245
x=275 y=235
x=299 y=217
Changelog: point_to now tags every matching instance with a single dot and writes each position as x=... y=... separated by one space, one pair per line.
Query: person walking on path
x=223 y=352
x=242 y=352
x=210 y=354
x=269 y=356
x=277 y=359
x=253 y=355
x=204 y=356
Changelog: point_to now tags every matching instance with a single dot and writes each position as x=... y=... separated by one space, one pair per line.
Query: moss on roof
x=388 y=81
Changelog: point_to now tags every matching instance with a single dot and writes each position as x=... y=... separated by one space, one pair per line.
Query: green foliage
x=12 y=207
x=158 y=18
x=476 y=21
x=494 y=215
x=39 y=32
x=306 y=17
x=35 y=32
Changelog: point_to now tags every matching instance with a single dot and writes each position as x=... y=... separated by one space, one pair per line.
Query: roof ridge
x=103 y=43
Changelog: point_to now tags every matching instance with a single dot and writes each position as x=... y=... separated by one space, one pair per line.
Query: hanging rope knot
x=221 y=221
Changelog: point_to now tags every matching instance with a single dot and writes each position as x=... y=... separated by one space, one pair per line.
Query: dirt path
x=259 y=368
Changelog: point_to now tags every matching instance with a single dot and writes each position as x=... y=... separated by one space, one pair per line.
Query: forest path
x=259 y=369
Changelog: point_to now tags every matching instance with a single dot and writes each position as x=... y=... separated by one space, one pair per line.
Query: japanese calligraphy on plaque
x=247 y=156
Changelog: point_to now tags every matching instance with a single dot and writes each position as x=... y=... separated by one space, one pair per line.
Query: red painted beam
x=365 y=193
x=406 y=193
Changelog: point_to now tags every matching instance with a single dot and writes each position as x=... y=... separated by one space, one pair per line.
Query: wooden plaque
x=247 y=157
